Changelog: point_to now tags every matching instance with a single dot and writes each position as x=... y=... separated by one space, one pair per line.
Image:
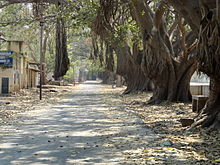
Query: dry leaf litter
x=174 y=144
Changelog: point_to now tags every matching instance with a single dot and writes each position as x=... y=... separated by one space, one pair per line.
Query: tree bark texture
x=207 y=25
x=129 y=66
x=109 y=59
x=126 y=59
x=62 y=60
x=209 y=63
x=170 y=76
x=107 y=77
x=210 y=114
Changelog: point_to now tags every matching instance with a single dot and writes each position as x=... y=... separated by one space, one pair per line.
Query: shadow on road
x=76 y=130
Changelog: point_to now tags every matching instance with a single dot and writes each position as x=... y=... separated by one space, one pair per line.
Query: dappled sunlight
x=94 y=126
x=77 y=130
x=174 y=144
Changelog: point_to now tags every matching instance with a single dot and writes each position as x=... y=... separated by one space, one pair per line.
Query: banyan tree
x=168 y=50
x=203 y=17
x=110 y=25
x=177 y=36
x=61 y=60
x=164 y=54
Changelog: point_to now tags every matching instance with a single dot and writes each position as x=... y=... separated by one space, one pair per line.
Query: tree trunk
x=44 y=81
x=108 y=77
x=128 y=62
x=136 y=81
x=209 y=63
x=129 y=66
x=170 y=76
x=203 y=17
x=173 y=87
x=210 y=114
x=62 y=60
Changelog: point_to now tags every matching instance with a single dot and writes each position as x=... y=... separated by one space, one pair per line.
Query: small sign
x=8 y=61
x=6 y=53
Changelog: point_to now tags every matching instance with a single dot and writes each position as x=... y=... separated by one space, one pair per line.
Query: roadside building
x=33 y=74
x=15 y=70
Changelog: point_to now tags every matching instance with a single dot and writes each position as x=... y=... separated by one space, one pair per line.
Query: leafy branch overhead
x=154 y=45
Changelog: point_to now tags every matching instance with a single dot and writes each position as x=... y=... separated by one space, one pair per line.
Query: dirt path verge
x=28 y=99
x=174 y=145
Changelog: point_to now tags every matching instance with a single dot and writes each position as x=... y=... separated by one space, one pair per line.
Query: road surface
x=80 y=129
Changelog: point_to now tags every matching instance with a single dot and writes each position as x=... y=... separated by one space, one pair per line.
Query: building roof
x=34 y=69
x=34 y=63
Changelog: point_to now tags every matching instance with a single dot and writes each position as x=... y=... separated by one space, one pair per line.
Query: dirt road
x=81 y=129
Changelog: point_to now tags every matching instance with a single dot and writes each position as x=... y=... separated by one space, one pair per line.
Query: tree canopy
x=154 y=44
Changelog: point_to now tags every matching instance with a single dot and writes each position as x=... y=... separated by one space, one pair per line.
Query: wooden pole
x=41 y=57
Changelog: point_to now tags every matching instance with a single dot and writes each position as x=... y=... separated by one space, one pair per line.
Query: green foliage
x=94 y=67
x=70 y=75
x=50 y=62
x=18 y=22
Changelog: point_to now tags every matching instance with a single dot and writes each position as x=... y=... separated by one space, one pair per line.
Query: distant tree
x=61 y=61
x=118 y=30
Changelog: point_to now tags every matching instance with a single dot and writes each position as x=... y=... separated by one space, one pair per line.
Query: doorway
x=5 y=85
